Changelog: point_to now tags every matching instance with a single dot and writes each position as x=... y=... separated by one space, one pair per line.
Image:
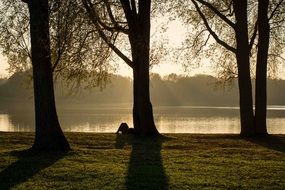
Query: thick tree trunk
x=142 y=110
x=140 y=44
x=261 y=68
x=49 y=135
x=244 y=80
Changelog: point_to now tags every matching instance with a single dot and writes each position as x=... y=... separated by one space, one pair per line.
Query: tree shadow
x=273 y=142
x=145 y=169
x=29 y=163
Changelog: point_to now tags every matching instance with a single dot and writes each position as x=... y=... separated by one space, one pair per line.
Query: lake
x=169 y=119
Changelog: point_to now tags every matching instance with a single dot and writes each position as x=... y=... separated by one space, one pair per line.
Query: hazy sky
x=176 y=34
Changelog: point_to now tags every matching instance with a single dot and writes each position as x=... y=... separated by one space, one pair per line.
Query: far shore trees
x=133 y=19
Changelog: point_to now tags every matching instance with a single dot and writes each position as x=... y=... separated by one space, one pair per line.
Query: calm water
x=168 y=119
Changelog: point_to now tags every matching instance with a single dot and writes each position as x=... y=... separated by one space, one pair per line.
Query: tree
x=241 y=52
x=78 y=55
x=106 y=17
x=49 y=135
x=234 y=26
x=263 y=22
x=261 y=67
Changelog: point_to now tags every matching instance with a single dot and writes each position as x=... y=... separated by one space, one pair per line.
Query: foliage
x=110 y=21
x=216 y=41
x=77 y=51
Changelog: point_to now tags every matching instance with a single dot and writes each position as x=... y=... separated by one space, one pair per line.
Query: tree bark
x=261 y=68
x=140 y=44
x=49 y=135
x=244 y=79
x=142 y=110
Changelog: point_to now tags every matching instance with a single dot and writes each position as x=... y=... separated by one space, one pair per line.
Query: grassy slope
x=104 y=161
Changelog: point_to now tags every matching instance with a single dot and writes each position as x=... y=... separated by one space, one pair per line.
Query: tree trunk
x=142 y=110
x=244 y=80
x=140 y=44
x=49 y=135
x=261 y=68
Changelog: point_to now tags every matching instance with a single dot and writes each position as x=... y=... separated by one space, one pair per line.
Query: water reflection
x=5 y=123
x=168 y=120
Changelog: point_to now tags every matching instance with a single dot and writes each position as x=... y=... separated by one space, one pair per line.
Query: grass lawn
x=179 y=161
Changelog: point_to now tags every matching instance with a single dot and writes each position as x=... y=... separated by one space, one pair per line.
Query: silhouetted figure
x=124 y=129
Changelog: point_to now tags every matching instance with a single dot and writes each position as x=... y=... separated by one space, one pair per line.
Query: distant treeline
x=172 y=90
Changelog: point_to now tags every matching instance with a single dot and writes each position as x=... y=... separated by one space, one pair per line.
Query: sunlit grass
x=180 y=161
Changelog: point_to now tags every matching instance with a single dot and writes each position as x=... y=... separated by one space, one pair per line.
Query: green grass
x=179 y=161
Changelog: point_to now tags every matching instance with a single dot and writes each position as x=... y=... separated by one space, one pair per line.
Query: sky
x=176 y=34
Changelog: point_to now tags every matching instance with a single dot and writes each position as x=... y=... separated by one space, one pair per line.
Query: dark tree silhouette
x=243 y=63
x=261 y=68
x=136 y=25
x=242 y=57
x=49 y=135
x=236 y=18
x=263 y=22
x=75 y=45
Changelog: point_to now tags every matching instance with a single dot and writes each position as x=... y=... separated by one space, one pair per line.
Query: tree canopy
x=76 y=49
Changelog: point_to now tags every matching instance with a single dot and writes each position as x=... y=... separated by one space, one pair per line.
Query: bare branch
x=113 y=20
x=197 y=36
x=277 y=56
x=128 y=12
x=87 y=4
x=203 y=45
x=253 y=36
x=217 y=12
x=116 y=26
x=109 y=28
x=275 y=9
x=215 y=36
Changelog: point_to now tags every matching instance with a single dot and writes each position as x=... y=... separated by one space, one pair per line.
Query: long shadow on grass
x=28 y=164
x=145 y=169
x=273 y=142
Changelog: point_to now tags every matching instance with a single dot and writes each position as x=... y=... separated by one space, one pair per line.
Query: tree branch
x=275 y=9
x=111 y=15
x=130 y=14
x=203 y=45
x=253 y=36
x=88 y=6
x=109 y=28
x=127 y=9
x=215 y=36
x=217 y=12
x=116 y=26
x=113 y=20
x=133 y=4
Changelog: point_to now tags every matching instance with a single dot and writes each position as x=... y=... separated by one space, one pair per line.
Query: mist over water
x=169 y=119
x=93 y=110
